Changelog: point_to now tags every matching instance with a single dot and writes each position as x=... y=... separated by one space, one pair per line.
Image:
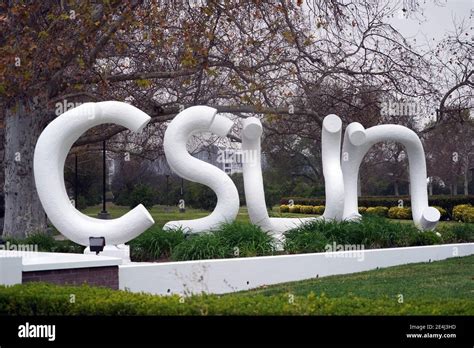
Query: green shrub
x=463 y=212
x=236 y=239
x=371 y=232
x=393 y=212
x=362 y=210
x=318 y=209
x=42 y=299
x=245 y=240
x=45 y=242
x=306 y=209
x=456 y=232
x=458 y=211
x=305 y=240
x=379 y=210
x=428 y=238
x=142 y=194
x=155 y=244
x=284 y=208
x=464 y=233
x=399 y=213
x=200 y=246
x=295 y=209
x=468 y=214
x=67 y=246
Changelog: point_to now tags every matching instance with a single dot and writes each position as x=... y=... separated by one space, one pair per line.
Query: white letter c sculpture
x=51 y=151
x=198 y=119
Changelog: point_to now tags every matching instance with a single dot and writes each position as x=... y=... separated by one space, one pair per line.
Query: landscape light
x=97 y=244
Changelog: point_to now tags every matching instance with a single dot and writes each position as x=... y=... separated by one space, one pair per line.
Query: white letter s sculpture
x=51 y=151
x=198 y=119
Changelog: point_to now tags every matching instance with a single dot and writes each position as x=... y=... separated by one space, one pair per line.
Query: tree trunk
x=455 y=187
x=430 y=189
x=395 y=187
x=2 y=172
x=23 y=211
x=466 y=180
x=359 y=187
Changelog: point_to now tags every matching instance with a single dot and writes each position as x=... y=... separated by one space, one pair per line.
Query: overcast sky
x=436 y=21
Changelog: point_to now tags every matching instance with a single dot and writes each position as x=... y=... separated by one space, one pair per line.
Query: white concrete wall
x=229 y=275
x=10 y=270
x=43 y=261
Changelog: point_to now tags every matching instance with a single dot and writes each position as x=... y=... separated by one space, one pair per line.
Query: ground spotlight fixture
x=97 y=244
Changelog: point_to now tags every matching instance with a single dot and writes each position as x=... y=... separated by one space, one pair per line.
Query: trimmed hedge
x=379 y=211
x=319 y=209
x=444 y=201
x=306 y=209
x=463 y=212
x=399 y=213
x=47 y=299
x=294 y=209
x=403 y=213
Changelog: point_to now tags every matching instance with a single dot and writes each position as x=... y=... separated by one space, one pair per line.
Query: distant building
x=229 y=160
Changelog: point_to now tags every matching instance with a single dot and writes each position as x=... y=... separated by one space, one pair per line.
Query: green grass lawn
x=437 y=288
x=163 y=214
x=436 y=281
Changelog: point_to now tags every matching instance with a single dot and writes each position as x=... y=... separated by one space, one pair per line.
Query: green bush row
x=237 y=239
x=240 y=239
x=372 y=232
x=303 y=209
x=392 y=213
x=243 y=239
x=444 y=201
x=42 y=299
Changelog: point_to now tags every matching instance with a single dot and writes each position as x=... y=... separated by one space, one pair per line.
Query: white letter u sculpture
x=253 y=181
